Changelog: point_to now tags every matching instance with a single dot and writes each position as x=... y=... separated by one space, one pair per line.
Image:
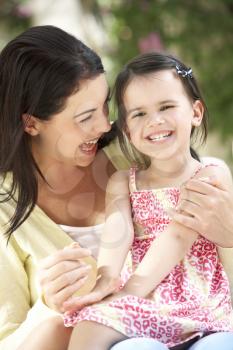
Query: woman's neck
x=60 y=177
x=75 y=196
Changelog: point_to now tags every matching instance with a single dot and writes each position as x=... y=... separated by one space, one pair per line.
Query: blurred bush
x=198 y=31
x=15 y=16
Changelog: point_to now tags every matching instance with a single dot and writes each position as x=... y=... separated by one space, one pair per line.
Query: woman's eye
x=85 y=119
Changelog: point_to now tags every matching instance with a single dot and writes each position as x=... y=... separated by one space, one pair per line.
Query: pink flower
x=152 y=42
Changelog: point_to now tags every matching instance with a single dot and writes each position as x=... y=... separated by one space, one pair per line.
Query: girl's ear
x=31 y=124
x=198 y=112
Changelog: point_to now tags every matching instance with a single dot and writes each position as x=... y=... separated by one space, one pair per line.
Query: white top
x=87 y=237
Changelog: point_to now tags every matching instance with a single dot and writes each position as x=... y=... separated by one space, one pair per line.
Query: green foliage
x=15 y=16
x=200 y=32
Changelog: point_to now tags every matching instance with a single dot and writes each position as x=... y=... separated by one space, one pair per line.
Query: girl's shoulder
x=213 y=167
x=118 y=184
x=120 y=175
x=213 y=161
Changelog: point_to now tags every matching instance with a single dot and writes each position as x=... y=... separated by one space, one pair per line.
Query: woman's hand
x=64 y=273
x=103 y=288
x=206 y=206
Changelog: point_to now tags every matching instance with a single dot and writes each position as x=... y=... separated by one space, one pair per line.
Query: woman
x=53 y=116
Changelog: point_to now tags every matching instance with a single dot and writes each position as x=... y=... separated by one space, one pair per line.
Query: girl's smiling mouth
x=159 y=136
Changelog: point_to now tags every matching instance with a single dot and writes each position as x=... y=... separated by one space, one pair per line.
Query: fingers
x=187 y=221
x=62 y=273
x=192 y=202
x=60 y=289
x=205 y=186
x=76 y=303
x=188 y=208
x=50 y=274
x=66 y=293
x=69 y=253
x=209 y=200
x=104 y=287
x=66 y=279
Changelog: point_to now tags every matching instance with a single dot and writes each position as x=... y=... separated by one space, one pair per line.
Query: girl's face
x=71 y=136
x=160 y=115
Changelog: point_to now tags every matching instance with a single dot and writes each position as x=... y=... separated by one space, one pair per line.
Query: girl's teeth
x=159 y=137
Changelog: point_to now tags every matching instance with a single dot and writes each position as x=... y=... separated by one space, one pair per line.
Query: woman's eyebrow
x=84 y=112
x=92 y=109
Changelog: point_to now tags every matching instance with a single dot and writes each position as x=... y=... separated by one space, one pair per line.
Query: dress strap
x=132 y=179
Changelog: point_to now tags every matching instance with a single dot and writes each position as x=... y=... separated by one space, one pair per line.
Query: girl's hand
x=104 y=287
x=64 y=273
x=206 y=206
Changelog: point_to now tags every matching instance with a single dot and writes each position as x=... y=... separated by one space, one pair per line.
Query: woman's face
x=71 y=136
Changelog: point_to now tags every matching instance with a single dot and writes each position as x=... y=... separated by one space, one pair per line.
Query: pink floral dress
x=192 y=300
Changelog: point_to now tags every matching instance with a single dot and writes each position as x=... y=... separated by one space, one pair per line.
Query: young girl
x=178 y=292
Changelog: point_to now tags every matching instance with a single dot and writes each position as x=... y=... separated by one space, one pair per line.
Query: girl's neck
x=166 y=173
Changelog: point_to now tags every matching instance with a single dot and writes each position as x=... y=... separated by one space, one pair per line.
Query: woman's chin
x=85 y=161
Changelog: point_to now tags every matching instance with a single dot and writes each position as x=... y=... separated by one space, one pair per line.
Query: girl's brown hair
x=143 y=65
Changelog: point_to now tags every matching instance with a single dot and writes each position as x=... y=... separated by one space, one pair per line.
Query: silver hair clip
x=184 y=73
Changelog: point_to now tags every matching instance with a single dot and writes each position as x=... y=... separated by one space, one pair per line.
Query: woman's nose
x=103 y=124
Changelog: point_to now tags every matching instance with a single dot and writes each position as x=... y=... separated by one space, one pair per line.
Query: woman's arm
x=116 y=241
x=209 y=201
x=17 y=317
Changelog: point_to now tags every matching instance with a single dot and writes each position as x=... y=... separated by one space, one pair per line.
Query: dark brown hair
x=39 y=70
x=143 y=65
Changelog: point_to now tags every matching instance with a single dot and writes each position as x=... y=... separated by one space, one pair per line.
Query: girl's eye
x=85 y=119
x=139 y=114
x=164 y=108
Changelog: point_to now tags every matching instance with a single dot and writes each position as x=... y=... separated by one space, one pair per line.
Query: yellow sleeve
x=17 y=316
x=115 y=155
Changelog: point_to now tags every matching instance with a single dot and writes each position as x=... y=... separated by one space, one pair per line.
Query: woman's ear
x=31 y=124
x=126 y=131
x=198 y=112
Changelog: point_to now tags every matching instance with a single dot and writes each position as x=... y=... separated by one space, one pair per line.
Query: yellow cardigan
x=21 y=308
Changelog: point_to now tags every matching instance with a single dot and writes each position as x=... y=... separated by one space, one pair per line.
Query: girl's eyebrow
x=160 y=103
x=92 y=109
x=166 y=101
x=133 y=110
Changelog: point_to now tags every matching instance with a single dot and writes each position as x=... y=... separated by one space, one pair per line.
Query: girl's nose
x=156 y=119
